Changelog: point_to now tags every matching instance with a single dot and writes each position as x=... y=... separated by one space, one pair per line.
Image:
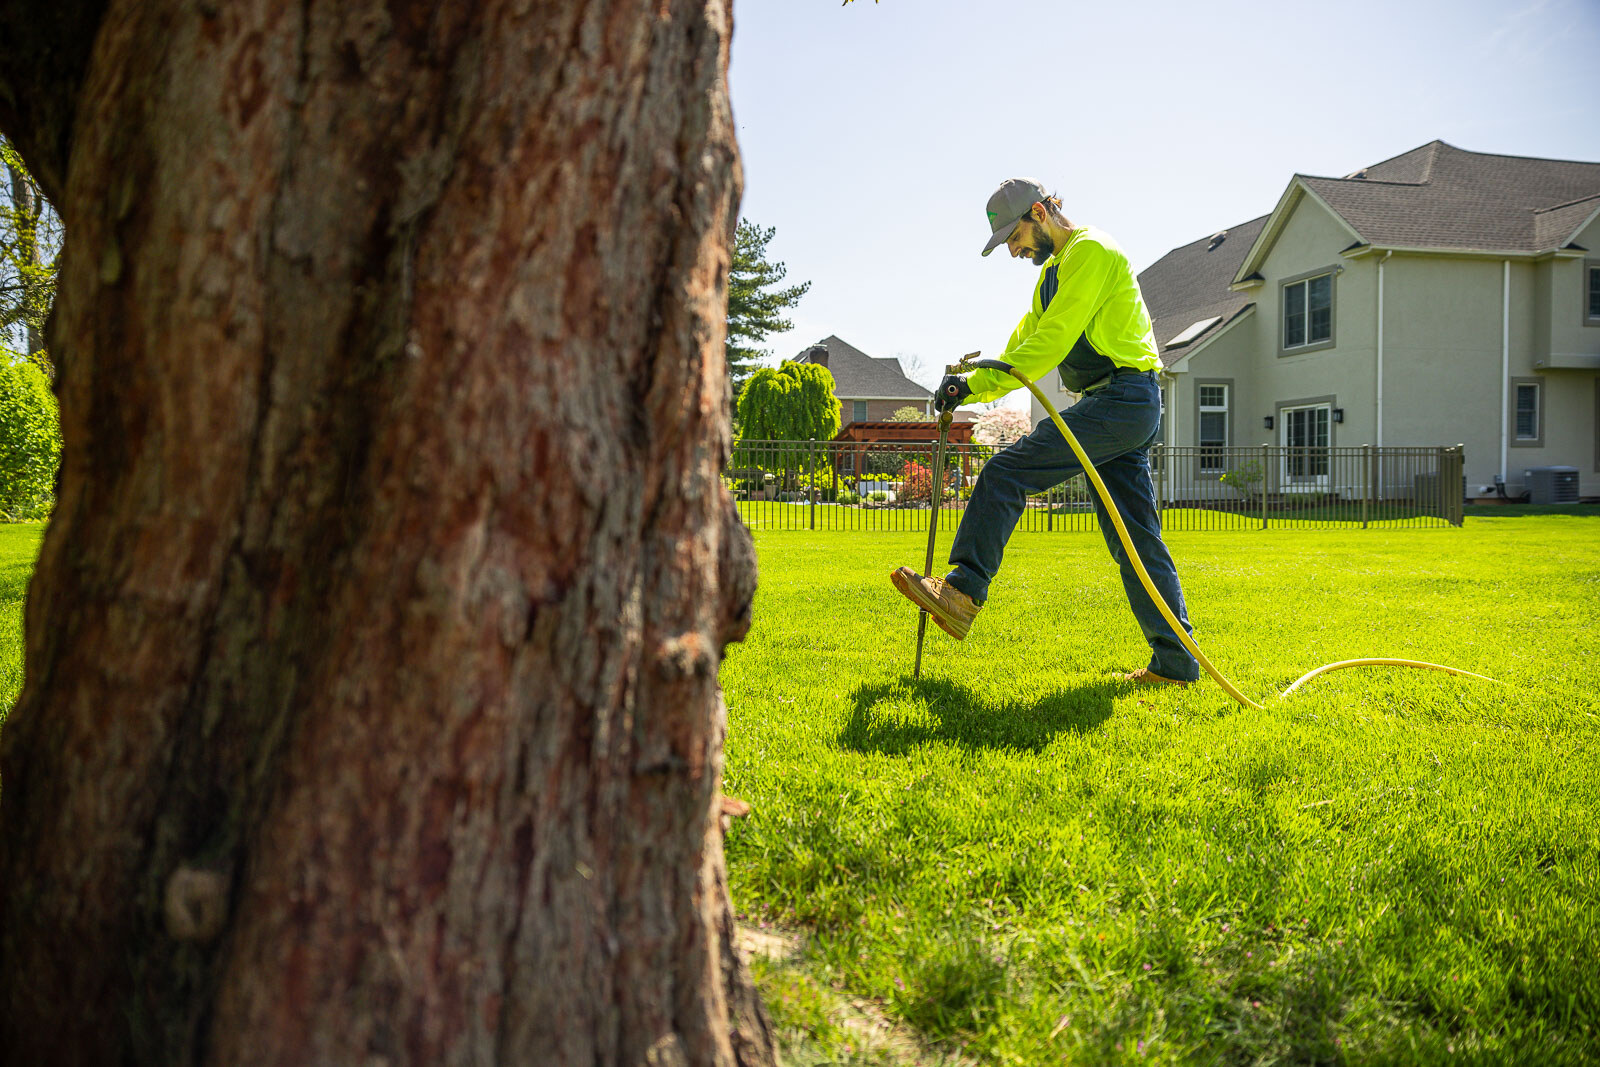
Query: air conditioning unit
x=1551 y=485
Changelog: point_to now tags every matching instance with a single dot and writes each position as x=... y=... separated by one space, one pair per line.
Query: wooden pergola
x=863 y=437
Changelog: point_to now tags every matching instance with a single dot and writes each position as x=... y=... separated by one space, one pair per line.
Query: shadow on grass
x=968 y=718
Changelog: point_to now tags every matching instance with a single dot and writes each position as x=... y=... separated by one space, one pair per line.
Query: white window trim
x=1303 y=481
x=1201 y=410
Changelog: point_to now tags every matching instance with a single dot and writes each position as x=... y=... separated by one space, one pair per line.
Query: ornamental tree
x=790 y=402
x=999 y=427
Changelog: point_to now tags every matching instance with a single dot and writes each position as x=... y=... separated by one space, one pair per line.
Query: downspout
x=1505 y=367
x=1378 y=414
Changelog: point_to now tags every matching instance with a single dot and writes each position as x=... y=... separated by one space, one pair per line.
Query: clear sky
x=872 y=134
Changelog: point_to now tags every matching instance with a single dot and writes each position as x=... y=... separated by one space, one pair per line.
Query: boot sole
x=912 y=591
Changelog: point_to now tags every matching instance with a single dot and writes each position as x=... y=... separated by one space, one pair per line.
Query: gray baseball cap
x=1008 y=205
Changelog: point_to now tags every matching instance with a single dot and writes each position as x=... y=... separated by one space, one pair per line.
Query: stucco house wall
x=1457 y=238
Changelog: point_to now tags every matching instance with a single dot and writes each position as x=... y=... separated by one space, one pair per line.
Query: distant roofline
x=1207 y=237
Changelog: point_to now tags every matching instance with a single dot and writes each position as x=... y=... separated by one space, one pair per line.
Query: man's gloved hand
x=953 y=389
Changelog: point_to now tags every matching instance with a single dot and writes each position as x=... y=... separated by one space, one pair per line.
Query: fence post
x=1161 y=486
x=811 y=478
x=1439 y=467
x=833 y=471
x=1450 y=503
x=1366 y=478
x=1266 y=479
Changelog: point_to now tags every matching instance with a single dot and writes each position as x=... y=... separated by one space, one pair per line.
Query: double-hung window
x=1591 y=292
x=858 y=411
x=1308 y=312
x=1213 y=428
x=1527 y=429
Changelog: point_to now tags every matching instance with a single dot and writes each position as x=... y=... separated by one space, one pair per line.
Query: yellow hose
x=1160 y=602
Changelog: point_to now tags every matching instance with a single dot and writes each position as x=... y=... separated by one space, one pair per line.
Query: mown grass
x=1030 y=862
x=19 y=546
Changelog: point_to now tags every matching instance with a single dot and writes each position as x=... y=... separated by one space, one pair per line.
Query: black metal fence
x=848 y=485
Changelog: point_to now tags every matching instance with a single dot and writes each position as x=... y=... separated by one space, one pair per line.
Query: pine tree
x=755 y=304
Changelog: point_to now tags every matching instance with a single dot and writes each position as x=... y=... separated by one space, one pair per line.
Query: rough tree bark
x=371 y=711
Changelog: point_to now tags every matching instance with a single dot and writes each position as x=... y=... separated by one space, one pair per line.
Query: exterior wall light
x=1338 y=414
x=1266 y=423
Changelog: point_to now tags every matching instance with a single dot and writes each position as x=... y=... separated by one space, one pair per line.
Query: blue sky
x=872 y=134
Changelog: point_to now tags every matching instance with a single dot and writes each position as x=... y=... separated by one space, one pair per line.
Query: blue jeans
x=1115 y=424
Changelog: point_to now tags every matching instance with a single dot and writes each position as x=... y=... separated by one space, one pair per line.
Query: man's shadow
x=971 y=719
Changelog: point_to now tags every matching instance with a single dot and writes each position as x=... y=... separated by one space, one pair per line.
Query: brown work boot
x=1146 y=676
x=952 y=609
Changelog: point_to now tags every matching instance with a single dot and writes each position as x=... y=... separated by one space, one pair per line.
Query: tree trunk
x=371 y=711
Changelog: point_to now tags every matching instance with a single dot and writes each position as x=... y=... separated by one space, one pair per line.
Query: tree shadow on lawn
x=969 y=718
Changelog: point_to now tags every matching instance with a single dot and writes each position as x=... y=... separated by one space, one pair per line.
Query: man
x=1089 y=319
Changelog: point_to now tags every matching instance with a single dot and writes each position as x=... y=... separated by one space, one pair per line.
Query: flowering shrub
x=916 y=481
x=1001 y=426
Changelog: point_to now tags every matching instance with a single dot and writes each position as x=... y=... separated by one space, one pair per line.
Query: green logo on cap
x=991 y=216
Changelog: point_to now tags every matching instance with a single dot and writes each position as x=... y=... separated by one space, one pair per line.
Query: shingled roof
x=1189 y=285
x=1436 y=197
x=1440 y=197
x=857 y=375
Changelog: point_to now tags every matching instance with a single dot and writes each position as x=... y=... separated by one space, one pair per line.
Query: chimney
x=817 y=354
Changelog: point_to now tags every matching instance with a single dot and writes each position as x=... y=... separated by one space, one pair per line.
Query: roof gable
x=857 y=375
x=1440 y=197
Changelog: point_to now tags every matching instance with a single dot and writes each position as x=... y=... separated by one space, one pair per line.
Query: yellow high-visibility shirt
x=1086 y=292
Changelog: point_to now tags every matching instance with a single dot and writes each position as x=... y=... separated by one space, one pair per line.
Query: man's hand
x=953 y=389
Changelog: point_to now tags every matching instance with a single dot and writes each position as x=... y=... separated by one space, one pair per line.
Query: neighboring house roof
x=858 y=376
x=1188 y=288
x=1442 y=198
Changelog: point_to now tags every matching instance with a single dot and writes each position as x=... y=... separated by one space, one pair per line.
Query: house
x=1439 y=297
x=869 y=388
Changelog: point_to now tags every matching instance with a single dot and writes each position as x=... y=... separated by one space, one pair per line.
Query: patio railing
x=847 y=485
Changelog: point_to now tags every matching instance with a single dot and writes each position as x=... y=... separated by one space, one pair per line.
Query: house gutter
x=1505 y=366
x=1378 y=392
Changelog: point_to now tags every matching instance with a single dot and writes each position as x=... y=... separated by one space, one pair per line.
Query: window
x=1308 y=312
x=858 y=411
x=1527 y=412
x=1213 y=425
x=1591 y=293
x=1305 y=441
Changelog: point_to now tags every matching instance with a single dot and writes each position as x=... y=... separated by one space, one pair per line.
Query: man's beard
x=1043 y=247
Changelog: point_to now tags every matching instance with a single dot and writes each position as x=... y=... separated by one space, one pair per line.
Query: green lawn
x=19 y=545
x=1025 y=861
x=1022 y=861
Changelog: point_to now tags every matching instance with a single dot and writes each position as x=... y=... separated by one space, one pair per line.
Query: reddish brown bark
x=371 y=710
